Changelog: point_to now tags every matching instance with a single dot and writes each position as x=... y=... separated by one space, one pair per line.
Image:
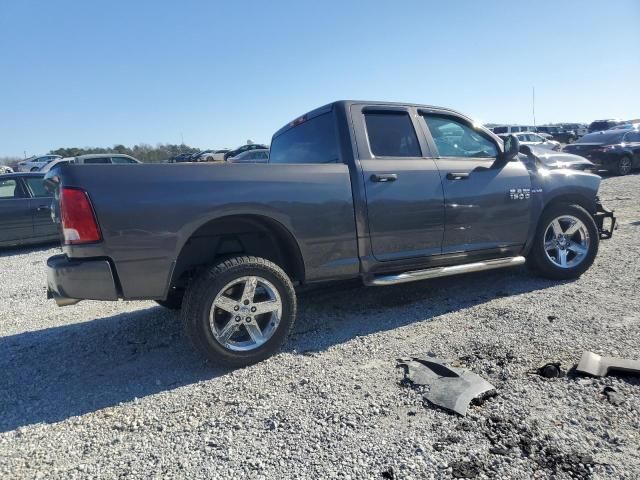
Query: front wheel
x=240 y=311
x=565 y=244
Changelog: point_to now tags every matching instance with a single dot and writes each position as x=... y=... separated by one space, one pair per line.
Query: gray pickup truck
x=385 y=192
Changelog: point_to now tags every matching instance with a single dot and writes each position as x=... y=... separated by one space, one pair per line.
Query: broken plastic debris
x=597 y=366
x=449 y=387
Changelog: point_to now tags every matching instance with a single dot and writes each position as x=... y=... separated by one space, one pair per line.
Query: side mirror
x=511 y=149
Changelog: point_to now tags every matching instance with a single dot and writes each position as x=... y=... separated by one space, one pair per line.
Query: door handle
x=43 y=208
x=457 y=176
x=384 y=177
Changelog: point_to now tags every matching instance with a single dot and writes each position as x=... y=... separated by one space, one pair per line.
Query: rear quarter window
x=313 y=141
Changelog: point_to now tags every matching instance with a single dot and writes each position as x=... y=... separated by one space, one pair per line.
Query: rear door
x=15 y=212
x=486 y=208
x=40 y=204
x=403 y=189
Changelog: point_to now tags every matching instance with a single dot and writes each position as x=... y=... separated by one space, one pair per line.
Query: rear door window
x=97 y=160
x=392 y=135
x=122 y=160
x=312 y=141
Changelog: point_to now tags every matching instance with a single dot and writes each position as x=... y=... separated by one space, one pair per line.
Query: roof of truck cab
x=347 y=104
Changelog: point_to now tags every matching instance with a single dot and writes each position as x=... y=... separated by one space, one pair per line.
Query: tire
x=173 y=300
x=226 y=285
x=623 y=166
x=580 y=247
x=34 y=169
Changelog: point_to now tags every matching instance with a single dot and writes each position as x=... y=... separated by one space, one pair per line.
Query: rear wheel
x=624 y=166
x=565 y=244
x=240 y=311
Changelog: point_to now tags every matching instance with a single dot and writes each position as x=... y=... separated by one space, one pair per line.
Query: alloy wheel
x=245 y=313
x=566 y=241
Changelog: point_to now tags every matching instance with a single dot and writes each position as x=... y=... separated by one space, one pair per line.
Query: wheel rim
x=566 y=241
x=625 y=165
x=245 y=313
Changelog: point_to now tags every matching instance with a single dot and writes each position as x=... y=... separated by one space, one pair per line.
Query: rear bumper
x=605 y=220
x=69 y=281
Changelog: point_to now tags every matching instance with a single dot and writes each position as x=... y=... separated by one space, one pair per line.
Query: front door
x=15 y=214
x=404 y=198
x=486 y=207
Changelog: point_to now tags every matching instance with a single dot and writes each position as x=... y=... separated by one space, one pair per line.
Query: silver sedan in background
x=251 y=156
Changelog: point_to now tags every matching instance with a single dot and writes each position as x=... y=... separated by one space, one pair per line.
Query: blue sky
x=97 y=73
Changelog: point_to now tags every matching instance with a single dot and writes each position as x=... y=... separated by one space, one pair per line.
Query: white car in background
x=532 y=138
x=33 y=164
x=215 y=155
x=93 y=158
x=5 y=169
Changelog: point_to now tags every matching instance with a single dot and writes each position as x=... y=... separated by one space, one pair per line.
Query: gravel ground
x=113 y=389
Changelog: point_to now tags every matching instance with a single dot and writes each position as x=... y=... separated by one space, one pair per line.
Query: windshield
x=601 y=138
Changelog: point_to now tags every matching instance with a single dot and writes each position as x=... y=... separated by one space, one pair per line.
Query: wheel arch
x=573 y=198
x=238 y=234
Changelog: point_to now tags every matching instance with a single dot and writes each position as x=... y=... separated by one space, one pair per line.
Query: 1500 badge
x=519 y=193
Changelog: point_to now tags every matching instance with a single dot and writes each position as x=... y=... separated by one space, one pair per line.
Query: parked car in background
x=216 y=155
x=181 y=157
x=550 y=159
x=615 y=150
x=5 y=169
x=94 y=158
x=25 y=214
x=251 y=156
x=508 y=129
x=580 y=129
x=530 y=138
x=599 y=125
x=34 y=164
x=200 y=156
x=625 y=126
x=244 y=148
x=559 y=134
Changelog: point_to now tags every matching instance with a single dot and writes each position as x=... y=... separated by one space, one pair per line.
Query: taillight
x=79 y=224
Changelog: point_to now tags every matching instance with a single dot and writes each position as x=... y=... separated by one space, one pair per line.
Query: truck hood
x=552 y=160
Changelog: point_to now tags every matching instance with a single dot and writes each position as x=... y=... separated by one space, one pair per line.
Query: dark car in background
x=615 y=150
x=244 y=148
x=599 y=125
x=25 y=214
x=559 y=134
x=181 y=157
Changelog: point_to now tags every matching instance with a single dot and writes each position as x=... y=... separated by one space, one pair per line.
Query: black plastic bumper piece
x=602 y=213
x=80 y=279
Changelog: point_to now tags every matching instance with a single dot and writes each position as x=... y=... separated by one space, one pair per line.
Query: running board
x=443 y=271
